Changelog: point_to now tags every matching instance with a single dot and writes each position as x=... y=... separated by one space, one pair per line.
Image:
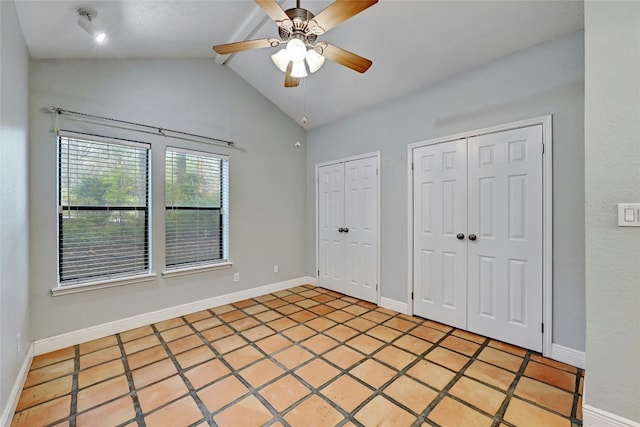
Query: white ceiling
x=412 y=44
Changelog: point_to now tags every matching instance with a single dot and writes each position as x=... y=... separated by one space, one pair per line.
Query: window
x=197 y=188
x=103 y=215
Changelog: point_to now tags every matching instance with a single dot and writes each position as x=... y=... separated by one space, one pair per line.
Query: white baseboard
x=594 y=417
x=99 y=331
x=568 y=355
x=14 y=394
x=401 y=307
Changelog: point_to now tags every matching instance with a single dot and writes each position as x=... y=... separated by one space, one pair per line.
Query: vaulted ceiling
x=413 y=44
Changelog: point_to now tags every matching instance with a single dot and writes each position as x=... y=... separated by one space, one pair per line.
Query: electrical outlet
x=236 y=277
x=275 y=268
x=18 y=344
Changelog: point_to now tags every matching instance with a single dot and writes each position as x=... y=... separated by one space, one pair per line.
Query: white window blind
x=103 y=218
x=196 y=196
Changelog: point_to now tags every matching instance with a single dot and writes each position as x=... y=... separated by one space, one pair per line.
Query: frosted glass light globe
x=297 y=50
x=315 y=60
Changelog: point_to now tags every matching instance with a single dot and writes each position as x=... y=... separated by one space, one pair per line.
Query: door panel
x=440 y=213
x=361 y=209
x=505 y=212
x=331 y=217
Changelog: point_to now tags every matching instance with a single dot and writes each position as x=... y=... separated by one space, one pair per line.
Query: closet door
x=440 y=223
x=505 y=216
x=361 y=228
x=331 y=219
x=348 y=228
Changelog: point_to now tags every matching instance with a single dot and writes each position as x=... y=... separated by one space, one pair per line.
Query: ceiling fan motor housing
x=300 y=18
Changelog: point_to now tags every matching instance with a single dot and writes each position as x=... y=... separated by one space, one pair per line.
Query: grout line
x=520 y=374
x=132 y=387
x=292 y=294
x=499 y=417
x=458 y=374
x=234 y=372
x=74 y=387
x=576 y=398
x=401 y=372
x=192 y=392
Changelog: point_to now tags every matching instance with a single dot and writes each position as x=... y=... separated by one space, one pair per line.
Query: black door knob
x=346 y=230
x=460 y=236
x=340 y=230
x=472 y=237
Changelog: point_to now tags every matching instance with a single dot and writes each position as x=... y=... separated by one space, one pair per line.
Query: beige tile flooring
x=304 y=356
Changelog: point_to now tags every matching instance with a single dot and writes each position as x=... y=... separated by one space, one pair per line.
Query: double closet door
x=478 y=234
x=348 y=227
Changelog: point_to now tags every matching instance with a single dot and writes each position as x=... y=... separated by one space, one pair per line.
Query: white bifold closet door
x=478 y=234
x=440 y=213
x=348 y=228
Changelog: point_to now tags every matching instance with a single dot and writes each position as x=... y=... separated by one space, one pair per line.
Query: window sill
x=197 y=269
x=103 y=284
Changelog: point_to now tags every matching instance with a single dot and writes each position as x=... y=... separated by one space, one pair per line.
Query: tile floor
x=300 y=357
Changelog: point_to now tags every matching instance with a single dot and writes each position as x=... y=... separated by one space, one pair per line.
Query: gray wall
x=267 y=200
x=14 y=209
x=546 y=79
x=612 y=164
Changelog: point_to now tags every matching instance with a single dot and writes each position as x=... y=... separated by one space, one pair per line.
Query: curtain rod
x=162 y=131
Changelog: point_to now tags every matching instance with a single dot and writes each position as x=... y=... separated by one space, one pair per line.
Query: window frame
x=100 y=281
x=208 y=265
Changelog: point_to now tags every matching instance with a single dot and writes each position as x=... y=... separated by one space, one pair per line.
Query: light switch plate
x=628 y=214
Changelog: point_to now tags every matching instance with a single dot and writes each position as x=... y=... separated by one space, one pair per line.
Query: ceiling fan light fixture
x=314 y=60
x=281 y=59
x=299 y=70
x=297 y=50
x=299 y=29
x=85 y=21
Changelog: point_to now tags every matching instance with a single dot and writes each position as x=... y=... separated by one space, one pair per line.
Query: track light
x=86 y=22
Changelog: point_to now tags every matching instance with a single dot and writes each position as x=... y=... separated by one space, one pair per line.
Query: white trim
x=172 y=149
x=14 y=394
x=547 y=214
x=196 y=269
x=410 y=149
x=568 y=355
x=547 y=236
x=391 y=304
x=375 y=154
x=103 y=284
x=348 y=159
x=103 y=139
x=594 y=417
x=58 y=342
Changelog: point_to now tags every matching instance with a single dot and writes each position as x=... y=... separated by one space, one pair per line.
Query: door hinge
x=542 y=327
x=318 y=273
x=411 y=166
x=376 y=286
x=542 y=148
x=376 y=171
x=411 y=296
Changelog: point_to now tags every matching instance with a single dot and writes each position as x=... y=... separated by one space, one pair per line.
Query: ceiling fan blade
x=225 y=49
x=290 y=81
x=344 y=57
x=275 y=12
x=336 y=13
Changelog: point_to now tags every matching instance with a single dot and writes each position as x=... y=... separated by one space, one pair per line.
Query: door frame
x=375 y=154
x=547 y=213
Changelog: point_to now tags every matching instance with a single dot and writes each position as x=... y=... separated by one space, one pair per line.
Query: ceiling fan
x=299 y=30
